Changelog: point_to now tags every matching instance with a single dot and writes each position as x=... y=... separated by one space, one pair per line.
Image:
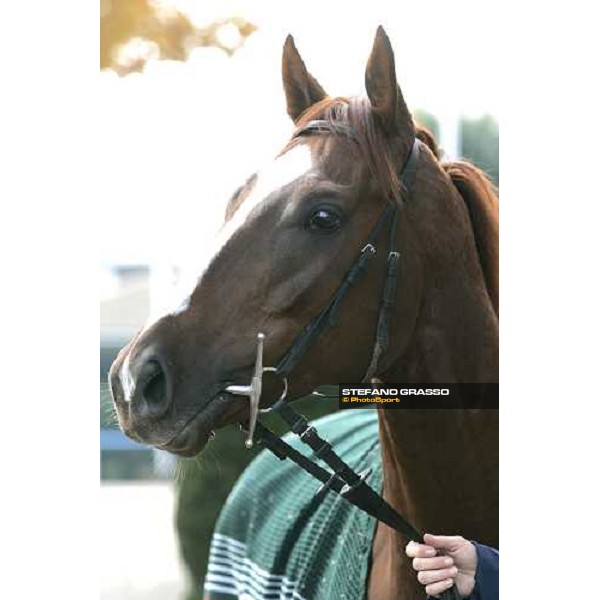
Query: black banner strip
x=396 y=395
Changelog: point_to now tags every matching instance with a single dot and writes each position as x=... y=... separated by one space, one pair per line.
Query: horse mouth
x=223 y=409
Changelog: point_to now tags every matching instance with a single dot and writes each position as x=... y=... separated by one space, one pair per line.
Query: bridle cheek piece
x=343 y=480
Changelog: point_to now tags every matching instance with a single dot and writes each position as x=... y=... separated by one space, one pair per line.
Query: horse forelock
x=356 y=114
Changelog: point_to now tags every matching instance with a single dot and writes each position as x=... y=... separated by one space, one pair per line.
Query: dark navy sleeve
x=486 y=576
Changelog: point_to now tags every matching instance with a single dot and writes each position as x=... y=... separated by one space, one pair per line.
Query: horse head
x=290 y=235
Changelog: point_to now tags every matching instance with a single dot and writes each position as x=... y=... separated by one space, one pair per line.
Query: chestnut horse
x=290 y=234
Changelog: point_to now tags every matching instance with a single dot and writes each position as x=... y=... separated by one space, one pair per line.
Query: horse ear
x=302 y=90
x=382 y=89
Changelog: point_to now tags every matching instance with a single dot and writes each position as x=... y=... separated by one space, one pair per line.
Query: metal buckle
x=254 y=389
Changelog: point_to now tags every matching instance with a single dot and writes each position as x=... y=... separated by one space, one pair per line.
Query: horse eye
x=324 y=220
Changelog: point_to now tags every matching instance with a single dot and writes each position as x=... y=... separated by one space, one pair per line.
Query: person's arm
x=474 y=567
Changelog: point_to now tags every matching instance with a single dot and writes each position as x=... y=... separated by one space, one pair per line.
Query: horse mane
x=428 y=139
x=481 y=199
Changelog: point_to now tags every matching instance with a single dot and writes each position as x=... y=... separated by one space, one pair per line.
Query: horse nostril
x=153 y=388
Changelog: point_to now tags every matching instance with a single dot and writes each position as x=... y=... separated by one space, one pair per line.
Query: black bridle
x=342 y=479
x=328 y=315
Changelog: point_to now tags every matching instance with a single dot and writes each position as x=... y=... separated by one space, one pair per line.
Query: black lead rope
x=344 y=481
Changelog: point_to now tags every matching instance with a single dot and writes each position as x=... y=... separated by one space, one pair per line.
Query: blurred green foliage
x=481 y=144
x=126 y=465
x=428 y=120
x=204 y=484
x=480 y=140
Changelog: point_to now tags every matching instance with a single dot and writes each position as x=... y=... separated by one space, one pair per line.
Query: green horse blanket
x=275 y=541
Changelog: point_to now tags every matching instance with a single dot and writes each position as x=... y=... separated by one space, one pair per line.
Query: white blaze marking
x=285 y=169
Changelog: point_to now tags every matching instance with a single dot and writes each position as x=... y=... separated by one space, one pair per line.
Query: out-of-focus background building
x=192 y=103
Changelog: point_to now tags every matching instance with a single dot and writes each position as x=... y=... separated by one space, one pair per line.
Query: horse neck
x=455 y=339
x=438 y=465
x=449 y=344
x=439 y=472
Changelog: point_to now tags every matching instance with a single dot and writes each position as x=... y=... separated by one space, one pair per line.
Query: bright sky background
x=179 y=138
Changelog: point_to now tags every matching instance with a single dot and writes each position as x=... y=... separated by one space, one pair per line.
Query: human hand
x=437 y=573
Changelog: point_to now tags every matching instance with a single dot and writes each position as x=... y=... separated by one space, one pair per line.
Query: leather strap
x=328 y=315
x=343 y=480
